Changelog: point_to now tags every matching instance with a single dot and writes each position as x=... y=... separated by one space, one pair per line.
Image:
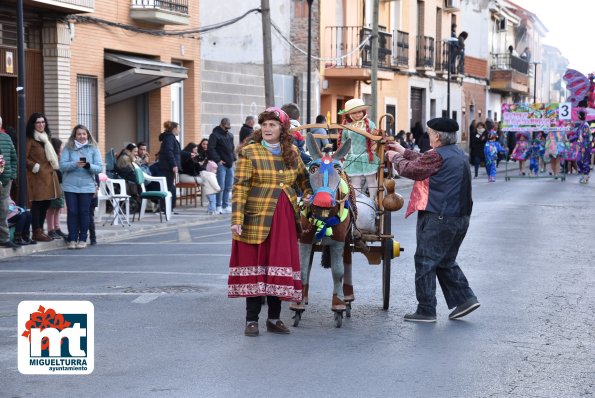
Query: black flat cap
x=443 y=124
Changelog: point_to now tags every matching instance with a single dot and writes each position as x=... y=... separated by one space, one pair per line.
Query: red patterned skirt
x=271 y=268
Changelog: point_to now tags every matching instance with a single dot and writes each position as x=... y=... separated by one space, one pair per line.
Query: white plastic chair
x=116 y=200
x=102 y=199
x=163 y=194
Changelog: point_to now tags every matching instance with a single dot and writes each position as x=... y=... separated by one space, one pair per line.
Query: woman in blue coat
x=80 y=162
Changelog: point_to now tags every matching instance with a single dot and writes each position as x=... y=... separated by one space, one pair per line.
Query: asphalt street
x=164 y=326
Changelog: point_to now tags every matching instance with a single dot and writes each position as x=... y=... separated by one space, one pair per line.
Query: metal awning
x=139 y=75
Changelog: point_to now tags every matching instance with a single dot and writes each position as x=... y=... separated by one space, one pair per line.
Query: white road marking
x=33 y=271
x=184 y=235
x=132 y=255
x=145 y=298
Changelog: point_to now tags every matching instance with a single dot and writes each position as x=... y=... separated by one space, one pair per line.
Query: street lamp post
x=450 y=42
x=309 y=78
x=535 y=63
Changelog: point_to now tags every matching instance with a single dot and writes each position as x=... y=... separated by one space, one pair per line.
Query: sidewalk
x=187 y=217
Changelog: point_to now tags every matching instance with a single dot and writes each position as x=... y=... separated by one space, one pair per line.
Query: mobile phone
x=83 y=159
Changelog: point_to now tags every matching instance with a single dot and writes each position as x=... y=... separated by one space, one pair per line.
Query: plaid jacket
x=259 y=179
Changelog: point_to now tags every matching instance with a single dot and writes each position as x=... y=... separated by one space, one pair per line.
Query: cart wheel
x=338 y=319
x=348 y=309
x=297 y=317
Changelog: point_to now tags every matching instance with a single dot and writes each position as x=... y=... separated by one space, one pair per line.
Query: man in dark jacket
x=221 y=151
x=247 y=128
x=9 y=174
x=170 y=161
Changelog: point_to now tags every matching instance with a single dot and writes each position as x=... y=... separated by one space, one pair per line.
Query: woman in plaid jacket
x=265 y=218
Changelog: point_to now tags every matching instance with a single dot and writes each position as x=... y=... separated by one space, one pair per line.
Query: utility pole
x=309 y=79
x=267 y=48
x=374 y=56
x=22 y=176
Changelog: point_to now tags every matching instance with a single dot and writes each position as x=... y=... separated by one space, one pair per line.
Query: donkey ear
x=343 y=149
x=313 y=147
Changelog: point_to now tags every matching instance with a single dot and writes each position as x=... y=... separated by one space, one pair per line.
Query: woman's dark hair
x=30 y=129
x=56 y=144
x=130 y=146
x=170 y=126
x=190 y=147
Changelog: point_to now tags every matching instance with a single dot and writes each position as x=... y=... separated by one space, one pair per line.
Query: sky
x=568 y=23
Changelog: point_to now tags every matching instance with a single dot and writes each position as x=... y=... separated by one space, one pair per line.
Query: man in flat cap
x=442 y=197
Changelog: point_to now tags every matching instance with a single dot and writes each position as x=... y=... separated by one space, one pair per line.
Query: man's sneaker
x=226 y=210
x=71 y=244
x=81 y=245
x=465 y=308
x=219 y=209
x=417 y=317
x=213 y=212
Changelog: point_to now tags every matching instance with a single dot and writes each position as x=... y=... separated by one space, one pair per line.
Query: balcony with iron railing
x=443 y=61
x=162 y=12
x=400 y=49
x=424 y=50
x=64 y=6
x=509 y=73
x=351 y=52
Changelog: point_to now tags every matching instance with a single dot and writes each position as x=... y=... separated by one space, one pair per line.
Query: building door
x=417 y=95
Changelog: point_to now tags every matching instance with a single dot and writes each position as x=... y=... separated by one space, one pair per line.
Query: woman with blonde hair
x=80 y=162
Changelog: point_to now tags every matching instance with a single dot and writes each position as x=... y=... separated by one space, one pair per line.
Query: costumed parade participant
x=534 y=154
x=570 y=151
x=264 y=221
x=583 y=159
x=491 y=150
x=361 y=163
x=441 y=196
x=554 y=150
x=519 y=153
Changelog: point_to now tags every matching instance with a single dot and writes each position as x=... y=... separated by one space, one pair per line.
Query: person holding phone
x=80 y=162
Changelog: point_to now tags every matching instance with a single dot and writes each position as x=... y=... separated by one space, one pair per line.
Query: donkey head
x=325 y=171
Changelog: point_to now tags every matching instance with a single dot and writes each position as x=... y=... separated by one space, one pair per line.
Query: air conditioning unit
x=452 y=5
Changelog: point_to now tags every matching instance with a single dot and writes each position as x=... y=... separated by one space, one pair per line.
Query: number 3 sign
x=564 y=111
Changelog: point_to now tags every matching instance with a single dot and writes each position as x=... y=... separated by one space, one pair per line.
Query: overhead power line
x=160 y=32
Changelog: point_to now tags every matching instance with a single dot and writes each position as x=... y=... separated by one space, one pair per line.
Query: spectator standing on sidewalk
x=43 y=183
x=80 y=162
x=442 y=197
x=8 y=173
x=221 y=151
x=247 y=128
x=170 y=160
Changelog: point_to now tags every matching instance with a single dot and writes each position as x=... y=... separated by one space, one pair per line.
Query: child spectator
x=491 y=150
x=21 y=219
x=519 y=153
x=56 y=205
